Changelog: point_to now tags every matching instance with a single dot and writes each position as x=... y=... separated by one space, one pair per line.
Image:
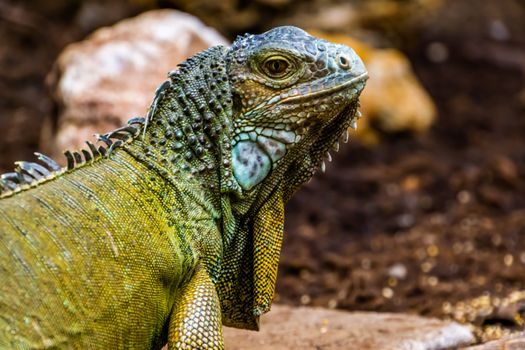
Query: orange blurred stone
x=411 y=183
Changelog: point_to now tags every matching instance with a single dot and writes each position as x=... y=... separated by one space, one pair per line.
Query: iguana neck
x=187 y=130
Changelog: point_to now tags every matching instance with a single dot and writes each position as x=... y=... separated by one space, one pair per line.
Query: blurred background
x=423 y=211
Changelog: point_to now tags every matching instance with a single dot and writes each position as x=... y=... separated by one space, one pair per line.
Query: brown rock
x=405 y=105
x=110 y=77
x=287 y=328
x=513 y=342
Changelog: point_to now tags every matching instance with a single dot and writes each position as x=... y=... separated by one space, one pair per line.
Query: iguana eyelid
x=288 y=70
x=294 y=71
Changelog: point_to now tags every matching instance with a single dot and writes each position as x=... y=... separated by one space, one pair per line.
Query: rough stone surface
x=513 y=342
x=287 y=328
x=110 y=77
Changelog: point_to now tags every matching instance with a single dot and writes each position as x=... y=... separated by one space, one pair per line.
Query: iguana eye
x=276 y=67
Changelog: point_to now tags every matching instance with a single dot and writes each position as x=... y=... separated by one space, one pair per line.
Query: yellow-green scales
x=172 y=225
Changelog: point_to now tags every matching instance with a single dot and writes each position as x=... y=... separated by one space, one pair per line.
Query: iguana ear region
x=256 y=153
x=251 y=164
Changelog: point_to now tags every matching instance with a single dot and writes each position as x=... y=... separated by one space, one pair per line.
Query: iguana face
x=288 y=88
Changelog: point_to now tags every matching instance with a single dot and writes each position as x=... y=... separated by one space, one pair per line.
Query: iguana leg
x=195 y=321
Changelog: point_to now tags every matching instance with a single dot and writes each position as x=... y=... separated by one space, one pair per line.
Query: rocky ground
x=431 y=224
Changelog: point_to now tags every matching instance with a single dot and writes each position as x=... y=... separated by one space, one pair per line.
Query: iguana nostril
x=343 y=61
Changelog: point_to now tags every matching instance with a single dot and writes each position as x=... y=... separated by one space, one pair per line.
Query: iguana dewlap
x=172 y=225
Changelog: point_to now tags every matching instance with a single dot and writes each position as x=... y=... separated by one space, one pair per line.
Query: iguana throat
x=256 y=153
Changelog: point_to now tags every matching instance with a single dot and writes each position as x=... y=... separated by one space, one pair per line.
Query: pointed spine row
x=344 y=137
x=110 y=141
x=29 y=174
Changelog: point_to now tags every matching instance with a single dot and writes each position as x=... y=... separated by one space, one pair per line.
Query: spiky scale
x=6 y=183
x=70 y=160
x=78 y=157
x=25 y=178
x=12 y=177
x=102 y=150
x=136 y=120
x=105 y=139
x=113 y=146
x=34 y=170
x=93 y=149
x=119 y=135
x=346 y=136
x=87 y=156
x=123 y=133
x=48 y=161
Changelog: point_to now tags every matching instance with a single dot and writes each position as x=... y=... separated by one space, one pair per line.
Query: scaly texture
x=174 y=223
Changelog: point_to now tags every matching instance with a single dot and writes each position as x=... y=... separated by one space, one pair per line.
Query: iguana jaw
x=322 y=88
x=257 y=150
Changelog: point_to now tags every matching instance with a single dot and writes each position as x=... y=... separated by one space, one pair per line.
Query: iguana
x=172 y=225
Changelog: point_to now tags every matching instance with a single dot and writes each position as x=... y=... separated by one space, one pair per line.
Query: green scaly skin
x=175 y=226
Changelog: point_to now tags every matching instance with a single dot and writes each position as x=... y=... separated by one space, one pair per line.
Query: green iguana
x=173 y=224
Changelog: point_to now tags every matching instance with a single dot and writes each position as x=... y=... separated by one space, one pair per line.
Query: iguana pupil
x=276 y=67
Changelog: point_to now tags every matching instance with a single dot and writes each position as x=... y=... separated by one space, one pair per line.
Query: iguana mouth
x=307 y=92
x=312 y=91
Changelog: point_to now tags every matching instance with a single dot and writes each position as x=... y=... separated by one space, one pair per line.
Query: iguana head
x=293 y=96
x=293 y=92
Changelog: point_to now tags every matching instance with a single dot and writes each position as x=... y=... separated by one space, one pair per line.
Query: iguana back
x=91 y=258
x=174 y=224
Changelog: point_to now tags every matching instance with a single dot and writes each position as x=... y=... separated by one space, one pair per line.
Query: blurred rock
x=398 y=271
x=513 y=342
x=287 y=328
x=491 y=316
x=110 y=77
x=394 y=100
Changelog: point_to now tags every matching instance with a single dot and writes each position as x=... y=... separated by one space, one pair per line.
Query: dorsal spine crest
x=30 y=174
